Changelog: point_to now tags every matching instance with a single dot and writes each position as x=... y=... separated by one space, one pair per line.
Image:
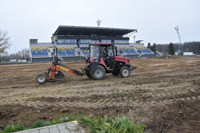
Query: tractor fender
x=129 y=66
x=90 y=67
x=103 y=66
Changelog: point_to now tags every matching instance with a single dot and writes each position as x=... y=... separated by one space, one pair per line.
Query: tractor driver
x=104 y=54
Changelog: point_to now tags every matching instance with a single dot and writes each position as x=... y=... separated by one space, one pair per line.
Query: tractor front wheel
x=41 y=78
x=124 y=72
x=99 y=73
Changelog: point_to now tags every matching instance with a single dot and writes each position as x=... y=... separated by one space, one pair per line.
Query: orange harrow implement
x=54 y=72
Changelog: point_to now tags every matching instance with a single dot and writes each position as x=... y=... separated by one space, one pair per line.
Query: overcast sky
x=154 y=19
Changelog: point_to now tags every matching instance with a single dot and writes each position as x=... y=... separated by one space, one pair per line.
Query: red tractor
x=102 y=59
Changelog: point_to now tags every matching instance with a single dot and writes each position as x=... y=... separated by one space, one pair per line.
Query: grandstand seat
x=146 y=51
x=39 y=51
x=143 y=50
x=128 y=50
x=66 y=51
x=84 y=51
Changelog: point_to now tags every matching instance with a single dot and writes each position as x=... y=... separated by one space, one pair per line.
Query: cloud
x=154 y=19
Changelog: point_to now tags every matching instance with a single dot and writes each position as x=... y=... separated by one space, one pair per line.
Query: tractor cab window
x=106 y=51
x=94 y=52
x=110 y=51
x=103 y=51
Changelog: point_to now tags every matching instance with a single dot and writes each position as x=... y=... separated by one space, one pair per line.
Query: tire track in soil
x=102 y=100
x=147 y=87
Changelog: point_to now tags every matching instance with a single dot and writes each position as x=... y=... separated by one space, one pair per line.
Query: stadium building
x=72 y=43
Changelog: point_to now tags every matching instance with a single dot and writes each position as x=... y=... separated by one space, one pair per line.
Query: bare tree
x=24 y=54
x=4 y=42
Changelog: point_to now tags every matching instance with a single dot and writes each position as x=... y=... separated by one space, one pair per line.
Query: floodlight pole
x=180 y=44
x=134 y=38
x=98 y=22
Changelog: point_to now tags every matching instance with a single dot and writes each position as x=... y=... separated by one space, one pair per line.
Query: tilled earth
x=162 y=93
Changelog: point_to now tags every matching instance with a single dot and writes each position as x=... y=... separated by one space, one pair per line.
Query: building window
x=121 y=41
x=106 y=41
x=60 y=41
x=67 y=41
x=85 y=41
x=93 y=41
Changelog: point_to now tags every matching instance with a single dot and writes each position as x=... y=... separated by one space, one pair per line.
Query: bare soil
x=162 y=93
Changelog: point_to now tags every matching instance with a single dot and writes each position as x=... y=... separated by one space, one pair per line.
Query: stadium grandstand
x=72 y=43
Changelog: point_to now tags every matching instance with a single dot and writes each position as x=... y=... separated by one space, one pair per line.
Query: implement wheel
x=99 y=73
x=41 y=78
x=125 y=72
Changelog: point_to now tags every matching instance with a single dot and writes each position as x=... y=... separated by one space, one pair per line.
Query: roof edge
x=91 y=27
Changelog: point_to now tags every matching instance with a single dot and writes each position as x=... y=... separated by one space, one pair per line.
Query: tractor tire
x=88 y=74
x=124 y=72
x=99 y=73
x=41 y=78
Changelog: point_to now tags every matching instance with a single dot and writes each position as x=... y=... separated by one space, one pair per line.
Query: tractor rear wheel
x=124 y=72
x=88 y=74
x=41 y=78
x=99 y=73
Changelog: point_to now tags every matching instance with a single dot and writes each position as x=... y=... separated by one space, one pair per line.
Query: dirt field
x=163 y=94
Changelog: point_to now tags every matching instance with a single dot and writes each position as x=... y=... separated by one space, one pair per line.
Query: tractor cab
x=102 y=53
x=103 y=59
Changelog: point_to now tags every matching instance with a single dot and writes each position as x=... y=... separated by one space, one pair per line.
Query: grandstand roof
x=91 y=31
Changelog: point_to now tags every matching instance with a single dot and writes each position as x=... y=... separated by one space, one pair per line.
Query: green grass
x=108 y=125
x=13 y=128
x=120 y=94
x=12 y=104
x=128 y=101
x=39 y=123
x=92 y=125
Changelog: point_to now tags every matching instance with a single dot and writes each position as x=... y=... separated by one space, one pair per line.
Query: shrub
x=13 y=128
x=40 y=123
x=94 y=125
x=108 y=125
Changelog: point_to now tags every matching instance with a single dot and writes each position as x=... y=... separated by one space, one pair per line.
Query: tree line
x=23 y=54
x=171 y=48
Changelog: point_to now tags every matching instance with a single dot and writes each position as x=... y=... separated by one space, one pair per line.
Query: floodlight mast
x=180 y=44
x=98 y=22
x=134 y=38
